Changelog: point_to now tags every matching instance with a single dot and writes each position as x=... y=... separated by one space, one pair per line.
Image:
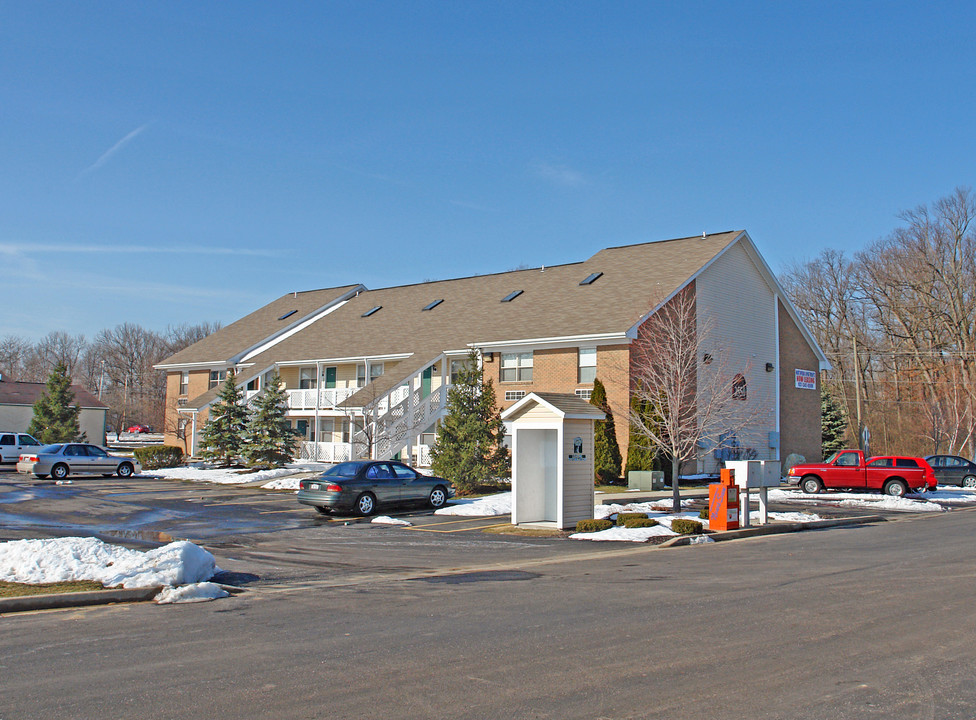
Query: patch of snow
x=877 y=501
x=77 y=558
x=499 y=504
x=601 y=512
x=197 y=592
x=887 y=502
x=786 y=517
x=622 y=534
x=285 y=483
x=387 y=520
x=205 y=472
x=701 y=540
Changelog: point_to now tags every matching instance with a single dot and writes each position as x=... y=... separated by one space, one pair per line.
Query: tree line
x=897 y=321
x=116 y=365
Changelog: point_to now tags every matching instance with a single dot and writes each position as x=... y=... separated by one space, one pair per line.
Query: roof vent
x=591 y=278
x=372 y=310
x=703 y=234
x=288 y=314
x=512 y=295
x=431 y=306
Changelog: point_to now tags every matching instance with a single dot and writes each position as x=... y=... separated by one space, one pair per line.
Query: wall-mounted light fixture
x=707 y=358
x=769 y=367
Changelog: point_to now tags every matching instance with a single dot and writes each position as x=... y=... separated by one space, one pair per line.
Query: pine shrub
x=625 y=516
x=641 y=522
x=55 y=412
x=606 y=452
x=586 y=526
x=685 y=526
x=155 y=457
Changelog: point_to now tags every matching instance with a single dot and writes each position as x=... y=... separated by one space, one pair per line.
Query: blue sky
x=172 y=162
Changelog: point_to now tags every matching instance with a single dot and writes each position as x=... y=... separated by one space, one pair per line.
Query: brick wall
x=799 y=409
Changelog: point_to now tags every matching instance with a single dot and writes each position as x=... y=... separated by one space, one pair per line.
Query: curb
x=777 y=529
x=26 y=603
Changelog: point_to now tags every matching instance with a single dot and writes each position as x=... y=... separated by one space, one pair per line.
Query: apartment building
x=367 y=371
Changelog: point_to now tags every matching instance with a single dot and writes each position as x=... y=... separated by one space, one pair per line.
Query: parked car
x=850 y=470
x=139 y=429
x=13 y=444
x=63 y=459
x=363 y=485
x=953 y=470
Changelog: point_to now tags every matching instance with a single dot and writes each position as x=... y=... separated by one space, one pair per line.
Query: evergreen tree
x=223 y=435
x=468 y=450
x=270 y=437
x=833 y=423
x=639 y=456
x=606 y=451
x=55 y=412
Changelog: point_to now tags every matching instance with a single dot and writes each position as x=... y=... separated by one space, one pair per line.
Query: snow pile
x=876 y=501
x=204 y=472
x=663 y=528
x=785 y=517
x=197 y=592
x=285 y=483
x=387 y=520
x=604 y=511
x=949 y=495
x=500 y=504
x=76 y=558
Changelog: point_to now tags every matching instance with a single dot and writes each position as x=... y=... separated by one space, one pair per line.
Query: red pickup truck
x=848 y=469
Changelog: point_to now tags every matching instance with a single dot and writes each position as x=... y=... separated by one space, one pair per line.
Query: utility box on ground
x=645 y=480
x=552 y=459
x=723 y=503
x=755 y=475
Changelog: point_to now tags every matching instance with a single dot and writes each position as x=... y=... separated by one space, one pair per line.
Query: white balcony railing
x=327 y=399
x=325 y=451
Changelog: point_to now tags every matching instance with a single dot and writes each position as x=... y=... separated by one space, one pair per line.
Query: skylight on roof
x=372 y=310
x=432 y=305
x=511 y=296
x=591 y=278
x=288 y=314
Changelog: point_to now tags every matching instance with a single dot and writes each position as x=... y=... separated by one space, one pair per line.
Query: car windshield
x=51 y=449
x=346 y=469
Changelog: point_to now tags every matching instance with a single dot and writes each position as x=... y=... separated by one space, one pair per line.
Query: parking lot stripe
x=429 y=528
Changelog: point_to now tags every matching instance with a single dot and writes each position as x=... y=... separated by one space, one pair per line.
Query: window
x=880 y=462
x=516 y=367
x=585 y=393
x=591 y=278
x=511 y=296
x=288 y=314
x=431 y=306
x=95 y=451
x=6 y=439
x=252 y=385
x=217 y=377
x=848 y=459
x=307 y=378
x=514 y=395
x=184 y=382
x=905 y=463
x=360 y=375
x=375 y=370
x=587 y=365
x=372 y=310
x=403 y=472
x=456 y=367
x=739 y=389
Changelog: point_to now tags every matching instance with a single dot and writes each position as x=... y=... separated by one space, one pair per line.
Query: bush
x=639 y=522
x=624 y=517
x=703 y=513
x=159 y=456
x=585 y=526
x=684 y=526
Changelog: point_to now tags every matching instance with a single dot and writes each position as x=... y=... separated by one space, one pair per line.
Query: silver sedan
x=63 y=459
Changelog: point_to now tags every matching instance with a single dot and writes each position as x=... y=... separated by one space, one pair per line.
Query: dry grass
x=12 y=589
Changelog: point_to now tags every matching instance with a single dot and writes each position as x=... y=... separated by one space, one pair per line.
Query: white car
x=12 y=444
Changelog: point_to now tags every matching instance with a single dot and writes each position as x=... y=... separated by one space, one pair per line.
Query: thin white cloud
x=107 y=155
x=24 y=249
x=562 y=175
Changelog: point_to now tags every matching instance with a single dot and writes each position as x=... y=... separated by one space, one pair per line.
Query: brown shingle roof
x=26 y=393
x=261 y=324
x=635 y=279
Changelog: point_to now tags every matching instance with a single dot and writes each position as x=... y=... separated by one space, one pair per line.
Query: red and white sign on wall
x=806 y=379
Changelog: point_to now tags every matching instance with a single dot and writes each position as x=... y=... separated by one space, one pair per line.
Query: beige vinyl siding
x=289 y=376
x=537 y=412
x=577 y=475
x=345 y=375
x=733 y=294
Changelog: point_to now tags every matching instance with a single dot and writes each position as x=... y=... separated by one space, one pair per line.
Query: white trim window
x=217 y=377
x=307 y=378
x=375 y=371
x=516 y=367
x=514 y=395
x=585 y=393
x=360 y=375
x=184 y=382
x=587 y=364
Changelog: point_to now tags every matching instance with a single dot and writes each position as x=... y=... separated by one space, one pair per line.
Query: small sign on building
x=806 y=379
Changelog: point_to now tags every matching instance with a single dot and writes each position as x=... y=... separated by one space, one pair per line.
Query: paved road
x=359 y=621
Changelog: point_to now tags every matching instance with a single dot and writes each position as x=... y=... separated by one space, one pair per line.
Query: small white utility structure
x=552 y=459
x=754 y=475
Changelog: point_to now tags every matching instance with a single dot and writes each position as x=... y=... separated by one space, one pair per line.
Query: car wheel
x=59 y=471
x=969 y=481
x=438 y=496
x=811 y=485
x=366 y=504
x=895 y=488
x=125 y=470
x=323 y=510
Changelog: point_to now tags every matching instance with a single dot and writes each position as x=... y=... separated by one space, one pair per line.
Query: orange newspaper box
x=723 y=503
